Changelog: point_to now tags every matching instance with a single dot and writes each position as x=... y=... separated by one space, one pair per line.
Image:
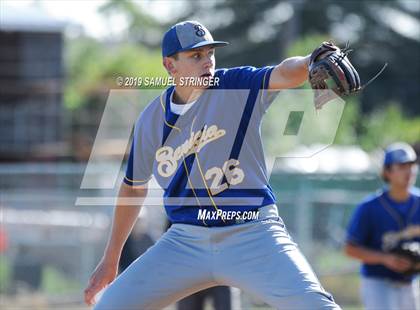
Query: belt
x=263 y=212
x=269 y=211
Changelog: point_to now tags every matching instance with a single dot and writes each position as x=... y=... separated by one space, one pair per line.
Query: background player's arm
x=291 y=72
x=368 y=256
x=125 y=216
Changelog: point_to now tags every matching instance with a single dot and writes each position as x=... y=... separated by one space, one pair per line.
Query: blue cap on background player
x=399 y=153
x=185 y=36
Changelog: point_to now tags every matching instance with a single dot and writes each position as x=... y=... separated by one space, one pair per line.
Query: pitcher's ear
x=169 y=65
x=384 y=173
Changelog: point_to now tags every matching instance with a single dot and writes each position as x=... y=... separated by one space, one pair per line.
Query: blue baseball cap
x=185 y=36
x=399 y=153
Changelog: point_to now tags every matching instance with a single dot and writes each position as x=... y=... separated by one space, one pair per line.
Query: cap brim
x=403 y=161
x=204 y=43
x=408 y=161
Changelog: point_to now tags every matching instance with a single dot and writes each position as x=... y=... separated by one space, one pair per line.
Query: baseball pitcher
x=201 y=141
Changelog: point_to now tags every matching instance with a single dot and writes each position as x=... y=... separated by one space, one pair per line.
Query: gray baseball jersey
x=211 y=157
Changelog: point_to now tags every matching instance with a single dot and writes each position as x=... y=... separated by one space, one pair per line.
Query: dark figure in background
x=137 y=243
x=220 y=296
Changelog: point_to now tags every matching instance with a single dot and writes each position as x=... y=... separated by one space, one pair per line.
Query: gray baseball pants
x=258 y=257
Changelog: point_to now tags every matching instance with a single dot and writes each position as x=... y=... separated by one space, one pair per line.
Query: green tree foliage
x=378 y=128
x=347 y=130
x=388 y=125
x=142 y=29
x=261 y=32
x=93 y=67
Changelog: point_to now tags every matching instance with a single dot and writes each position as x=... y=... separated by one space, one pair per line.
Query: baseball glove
x=411 y=251
x=330 y=68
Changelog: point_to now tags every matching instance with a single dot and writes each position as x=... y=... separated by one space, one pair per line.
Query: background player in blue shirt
x=382 y=223
x=203 y=146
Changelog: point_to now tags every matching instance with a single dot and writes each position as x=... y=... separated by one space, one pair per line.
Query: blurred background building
x=32 y=84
